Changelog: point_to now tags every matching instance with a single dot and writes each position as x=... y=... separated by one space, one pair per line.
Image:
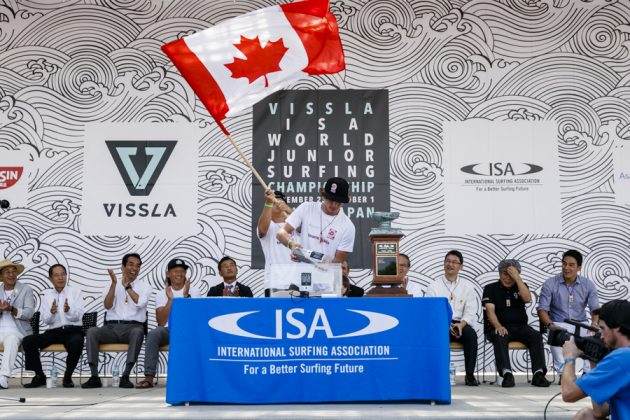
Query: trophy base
x=380 y=291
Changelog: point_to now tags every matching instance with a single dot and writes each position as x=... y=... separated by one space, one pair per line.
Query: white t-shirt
x=7 y=322
x=275 y=252
x=414 y=289
x=161 y=298
x=461 y=296
x=336 y=232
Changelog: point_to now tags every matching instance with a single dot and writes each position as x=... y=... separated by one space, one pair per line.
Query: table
x=288 y=350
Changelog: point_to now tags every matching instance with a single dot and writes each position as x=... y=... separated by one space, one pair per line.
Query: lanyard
x=451 y=291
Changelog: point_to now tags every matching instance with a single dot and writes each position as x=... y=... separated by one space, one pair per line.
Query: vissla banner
x=140 y=179
x=303 y=137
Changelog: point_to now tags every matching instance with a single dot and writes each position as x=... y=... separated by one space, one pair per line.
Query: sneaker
x=93 y=382
x=125 y=382
x=540 y=380
x=4 y=382
x=470 y=380
x=67 y=383
x=508 y=380
x=38 y=380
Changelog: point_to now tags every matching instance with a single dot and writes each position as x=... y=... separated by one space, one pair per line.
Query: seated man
x=404 y=264
x=125 y=302
x=566 y=296
x=229 y=286
x=17 y=306
x=62 y=310
x=177 y=286
x=505 y=311
x=461 y=297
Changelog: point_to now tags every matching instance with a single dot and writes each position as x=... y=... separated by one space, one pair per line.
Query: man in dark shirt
x=504 y=303
x=229 y=286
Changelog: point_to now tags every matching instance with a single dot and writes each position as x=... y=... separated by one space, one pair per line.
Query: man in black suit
x=229 y=286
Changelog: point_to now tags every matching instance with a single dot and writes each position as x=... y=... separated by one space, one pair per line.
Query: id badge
x=508 y=302
x=570 y=298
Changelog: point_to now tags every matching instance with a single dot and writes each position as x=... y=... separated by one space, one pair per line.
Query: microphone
x=4 y=204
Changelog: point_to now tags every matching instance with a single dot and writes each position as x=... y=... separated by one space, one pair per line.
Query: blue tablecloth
x=283 y=350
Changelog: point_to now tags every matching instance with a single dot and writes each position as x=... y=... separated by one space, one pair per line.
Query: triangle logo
x=140 y=163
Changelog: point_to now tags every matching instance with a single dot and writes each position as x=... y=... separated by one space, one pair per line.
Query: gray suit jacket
x=24 y=302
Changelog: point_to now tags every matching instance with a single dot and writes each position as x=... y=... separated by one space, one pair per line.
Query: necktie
x=230 y=289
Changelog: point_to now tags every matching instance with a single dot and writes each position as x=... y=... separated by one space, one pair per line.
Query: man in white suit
x=17 y=305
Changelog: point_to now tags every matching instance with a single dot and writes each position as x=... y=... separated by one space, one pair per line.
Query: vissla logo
x=501 y=169
x=299 y=328
x=9 y=176
x=140 y=163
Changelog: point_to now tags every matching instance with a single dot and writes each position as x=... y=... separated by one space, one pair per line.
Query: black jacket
x=243 y=291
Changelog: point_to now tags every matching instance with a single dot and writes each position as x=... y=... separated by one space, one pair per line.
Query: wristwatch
x=127 y=287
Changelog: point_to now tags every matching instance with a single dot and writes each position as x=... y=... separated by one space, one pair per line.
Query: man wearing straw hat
x=17 y=305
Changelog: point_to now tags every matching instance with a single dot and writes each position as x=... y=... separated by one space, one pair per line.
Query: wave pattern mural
x=65 y=64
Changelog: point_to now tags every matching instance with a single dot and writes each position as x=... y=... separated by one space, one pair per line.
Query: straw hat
x=8 y=263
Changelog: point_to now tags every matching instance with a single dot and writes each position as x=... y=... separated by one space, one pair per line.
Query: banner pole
x=247 y=162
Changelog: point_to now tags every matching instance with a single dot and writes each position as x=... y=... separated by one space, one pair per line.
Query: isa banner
x=622 y=172
x=501 y=177
x=303 y=137
x=14 y=174
x=282 y=350
x=140 y=179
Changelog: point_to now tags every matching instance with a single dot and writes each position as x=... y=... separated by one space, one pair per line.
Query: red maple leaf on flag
x=260 y=60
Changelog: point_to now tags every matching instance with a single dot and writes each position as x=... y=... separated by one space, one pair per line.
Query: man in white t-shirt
x=324 y=227
x=272 y=218
x=404 y=264
x=177 y=286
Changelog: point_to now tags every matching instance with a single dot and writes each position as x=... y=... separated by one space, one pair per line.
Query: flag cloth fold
x=236 y=63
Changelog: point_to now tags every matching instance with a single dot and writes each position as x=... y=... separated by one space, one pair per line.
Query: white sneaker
x=4 y=383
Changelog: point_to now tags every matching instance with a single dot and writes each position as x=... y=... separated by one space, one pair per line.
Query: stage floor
x=486 y=401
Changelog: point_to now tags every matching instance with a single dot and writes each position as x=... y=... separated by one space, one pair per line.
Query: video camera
x=593 y=348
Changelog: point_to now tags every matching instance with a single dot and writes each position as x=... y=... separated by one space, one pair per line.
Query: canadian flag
x=236 y=63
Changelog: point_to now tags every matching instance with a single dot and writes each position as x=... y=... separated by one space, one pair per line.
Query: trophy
x=385 y=239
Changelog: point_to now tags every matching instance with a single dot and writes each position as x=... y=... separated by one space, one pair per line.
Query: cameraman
x=608 y=383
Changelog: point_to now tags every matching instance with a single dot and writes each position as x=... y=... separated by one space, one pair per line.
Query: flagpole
x=247 y=162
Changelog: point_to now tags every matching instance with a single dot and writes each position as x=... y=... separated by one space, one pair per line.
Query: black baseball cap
x=336 y=189
x=616 y=313
x=176 y=262
x=280 y=195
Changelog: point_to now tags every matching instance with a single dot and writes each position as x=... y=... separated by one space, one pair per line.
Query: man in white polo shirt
x=125 y=302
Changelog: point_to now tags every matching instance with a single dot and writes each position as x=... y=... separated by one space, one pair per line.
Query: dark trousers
x=469 y=340
x=71 y=338
x=525 y=334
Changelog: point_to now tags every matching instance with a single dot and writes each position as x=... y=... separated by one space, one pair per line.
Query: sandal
x=144 y=384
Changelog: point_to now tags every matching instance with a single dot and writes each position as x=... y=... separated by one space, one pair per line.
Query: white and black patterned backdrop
x=68 y=63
